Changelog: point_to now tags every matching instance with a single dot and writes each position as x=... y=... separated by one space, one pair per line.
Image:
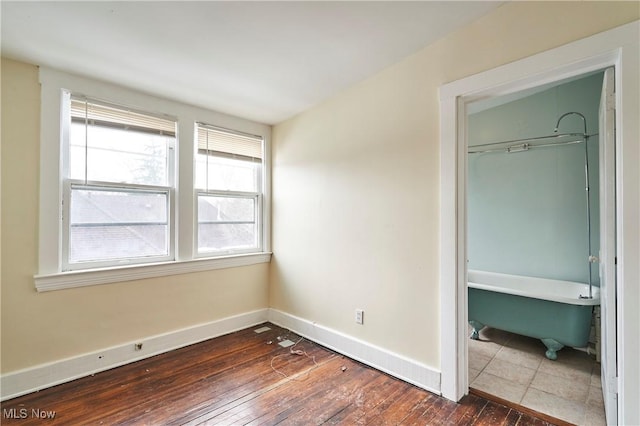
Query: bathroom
x=528 y=217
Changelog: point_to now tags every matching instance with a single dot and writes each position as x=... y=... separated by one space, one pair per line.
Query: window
x=229 y=185
x=118 y=184
x=129 y=193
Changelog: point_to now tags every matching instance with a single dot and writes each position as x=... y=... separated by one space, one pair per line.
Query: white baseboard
x=381 y=359
x=46 y=375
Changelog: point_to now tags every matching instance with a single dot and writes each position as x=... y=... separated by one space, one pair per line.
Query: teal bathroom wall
x=527 y=210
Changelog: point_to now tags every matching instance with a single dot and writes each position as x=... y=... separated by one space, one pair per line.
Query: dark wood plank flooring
x=246 y=378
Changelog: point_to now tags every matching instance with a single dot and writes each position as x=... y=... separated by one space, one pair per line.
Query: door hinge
x=611 y=101
x=613 y=385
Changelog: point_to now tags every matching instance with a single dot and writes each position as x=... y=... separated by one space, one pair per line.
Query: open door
x=608 y=248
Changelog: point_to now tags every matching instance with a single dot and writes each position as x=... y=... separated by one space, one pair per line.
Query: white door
x=607 y=248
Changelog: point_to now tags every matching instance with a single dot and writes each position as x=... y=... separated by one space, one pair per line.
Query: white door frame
x=619 y=48
x=607 y=272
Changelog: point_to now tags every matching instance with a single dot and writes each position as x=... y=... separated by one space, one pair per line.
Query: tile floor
x=514 y=368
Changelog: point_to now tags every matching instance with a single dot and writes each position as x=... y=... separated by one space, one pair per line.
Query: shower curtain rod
x=523 y=146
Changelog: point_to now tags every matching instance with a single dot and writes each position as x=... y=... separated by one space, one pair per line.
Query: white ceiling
x=264 y=61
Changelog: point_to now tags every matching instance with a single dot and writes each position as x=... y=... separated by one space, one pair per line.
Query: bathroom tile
x=527 y=344
x=570 y=389
x=499 y=387
x=574 y=370
x=596 y=379
x=473 y=374
x=510 y=371
x=478 y=361
x=554 y=405
x=504 y=364
x=520 y=357
x=594 y=416
x=595 y=397
x=483 y=347
x=575 y=357
x=494 y=335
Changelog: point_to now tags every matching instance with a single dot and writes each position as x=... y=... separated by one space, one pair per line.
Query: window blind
x=102 y=114
x=217 y=141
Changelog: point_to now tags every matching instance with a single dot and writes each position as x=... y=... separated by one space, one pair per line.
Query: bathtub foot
x=477 y=326
x=553 y=346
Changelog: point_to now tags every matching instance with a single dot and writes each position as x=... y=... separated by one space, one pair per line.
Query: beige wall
x=44 y=327
x=356 y=180
x=355 y=208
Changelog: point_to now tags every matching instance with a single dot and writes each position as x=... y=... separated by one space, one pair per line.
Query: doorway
x=531 y=224
x=617 y=48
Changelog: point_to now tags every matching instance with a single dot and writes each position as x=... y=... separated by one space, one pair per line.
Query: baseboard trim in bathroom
x=521 y=408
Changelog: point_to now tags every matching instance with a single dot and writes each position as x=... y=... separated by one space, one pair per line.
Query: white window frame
x=50 y=275
x=69 y=183
x=257 y=196
x=109 y=186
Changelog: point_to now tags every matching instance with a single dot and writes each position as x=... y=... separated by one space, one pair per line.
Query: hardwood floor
x=248 y=378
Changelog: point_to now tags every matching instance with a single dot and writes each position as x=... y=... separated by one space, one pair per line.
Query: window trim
x=49 y=275
x=260 y=184
x=89 y=277
x=68 y=97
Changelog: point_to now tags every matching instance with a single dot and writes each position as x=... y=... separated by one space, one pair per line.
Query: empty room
x=343 y=212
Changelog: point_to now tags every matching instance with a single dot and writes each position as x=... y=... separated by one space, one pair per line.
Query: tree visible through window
x=118 y=186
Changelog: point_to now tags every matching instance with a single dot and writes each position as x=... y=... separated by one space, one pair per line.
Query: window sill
x=64 y=280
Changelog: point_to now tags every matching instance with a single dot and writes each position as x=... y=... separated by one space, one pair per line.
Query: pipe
x=590 y=257
x=584 y=121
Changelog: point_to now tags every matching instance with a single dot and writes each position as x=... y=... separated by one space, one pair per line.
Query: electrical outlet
x=359 y=316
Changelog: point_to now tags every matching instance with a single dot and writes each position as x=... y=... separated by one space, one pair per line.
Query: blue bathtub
x=549 y=310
